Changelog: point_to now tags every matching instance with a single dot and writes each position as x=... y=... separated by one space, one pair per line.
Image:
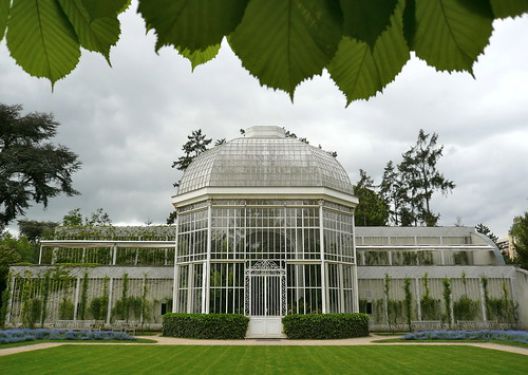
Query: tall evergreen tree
x=372 y=209
x=32 y=169
x=392 y=192
x=422 y=178
x=412 y=204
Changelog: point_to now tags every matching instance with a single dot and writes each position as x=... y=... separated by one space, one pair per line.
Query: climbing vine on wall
x=99 y=305
x=447 y=301
x=83 y=302
x=122 y=306
x=46 y=283
x=5 y=297
x=430 y=308
x=408 y=301
x=465 y=308
x=31 y=305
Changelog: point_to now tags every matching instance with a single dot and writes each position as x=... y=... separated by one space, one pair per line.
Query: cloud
x=128 y=122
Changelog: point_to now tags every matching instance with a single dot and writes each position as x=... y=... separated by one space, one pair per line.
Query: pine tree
x=392 y=192
x=195 y=145
x=422 y=178
x=412 y=203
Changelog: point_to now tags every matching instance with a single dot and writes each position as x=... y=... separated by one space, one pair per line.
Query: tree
x=363 y=44
x=372 y=209
x=519 y=235
x=483 y=229
x=392 y=192
x=35 y=230
x=33 y=169
x=220 y=141
x=8 y=256
x=196 y=143
x=412 y=205
x=98 y=218
x=421 y=178
x=12 y=250
x=74 y=218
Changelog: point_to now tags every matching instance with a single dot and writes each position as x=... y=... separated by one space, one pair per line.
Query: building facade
x=265 y=228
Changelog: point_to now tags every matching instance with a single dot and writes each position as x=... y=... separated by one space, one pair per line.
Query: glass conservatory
x=265 y=228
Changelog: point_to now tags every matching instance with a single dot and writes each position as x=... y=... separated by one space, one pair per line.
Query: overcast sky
x=127 y=123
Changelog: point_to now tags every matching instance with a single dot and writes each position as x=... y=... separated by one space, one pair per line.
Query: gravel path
x=28 y=348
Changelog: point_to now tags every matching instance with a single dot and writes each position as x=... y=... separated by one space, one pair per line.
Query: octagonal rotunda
x=265 y=228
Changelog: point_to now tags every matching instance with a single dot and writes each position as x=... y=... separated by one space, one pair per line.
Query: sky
x=128 y=123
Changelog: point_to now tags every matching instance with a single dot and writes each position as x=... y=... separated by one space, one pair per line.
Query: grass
x=144 y=359
x=503 y=342
x=33 y=342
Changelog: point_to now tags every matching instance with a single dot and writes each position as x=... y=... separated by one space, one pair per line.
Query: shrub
x=325 y=326
x=205 y=326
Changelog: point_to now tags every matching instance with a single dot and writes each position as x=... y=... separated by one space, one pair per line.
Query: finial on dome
x=265 y=132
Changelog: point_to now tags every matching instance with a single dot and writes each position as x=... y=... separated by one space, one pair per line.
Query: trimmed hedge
x=325 y=326
x=205 y=326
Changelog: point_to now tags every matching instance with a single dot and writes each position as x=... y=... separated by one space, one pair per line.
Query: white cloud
x=127 y=123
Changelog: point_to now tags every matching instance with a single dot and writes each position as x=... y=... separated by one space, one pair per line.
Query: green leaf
x=451 y=34
x=41 y=39
x=97 y=35
x=193 y=25
x=283 y=42
x=105 y=8
x=4 y=15
x=409 y=22
x=360 y=72
x=509 y=8
x=200 y=57
x=365 y=20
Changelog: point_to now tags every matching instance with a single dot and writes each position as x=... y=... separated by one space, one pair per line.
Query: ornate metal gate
x=265 y=286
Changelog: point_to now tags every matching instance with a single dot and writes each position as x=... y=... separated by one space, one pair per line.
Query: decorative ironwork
x=265 y=289
x=265 y=265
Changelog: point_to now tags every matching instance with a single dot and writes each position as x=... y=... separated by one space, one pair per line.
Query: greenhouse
x=265 y=228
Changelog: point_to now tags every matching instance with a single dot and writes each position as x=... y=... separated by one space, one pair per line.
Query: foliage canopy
x=519 y=233
x=363 y=44
x=32 y=168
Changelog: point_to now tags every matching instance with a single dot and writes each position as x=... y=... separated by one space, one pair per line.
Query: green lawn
x=145 y=359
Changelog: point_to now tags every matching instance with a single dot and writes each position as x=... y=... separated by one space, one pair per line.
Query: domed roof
x=265 y=157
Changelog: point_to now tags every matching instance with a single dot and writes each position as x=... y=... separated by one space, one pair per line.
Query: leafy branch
x=363 y=44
